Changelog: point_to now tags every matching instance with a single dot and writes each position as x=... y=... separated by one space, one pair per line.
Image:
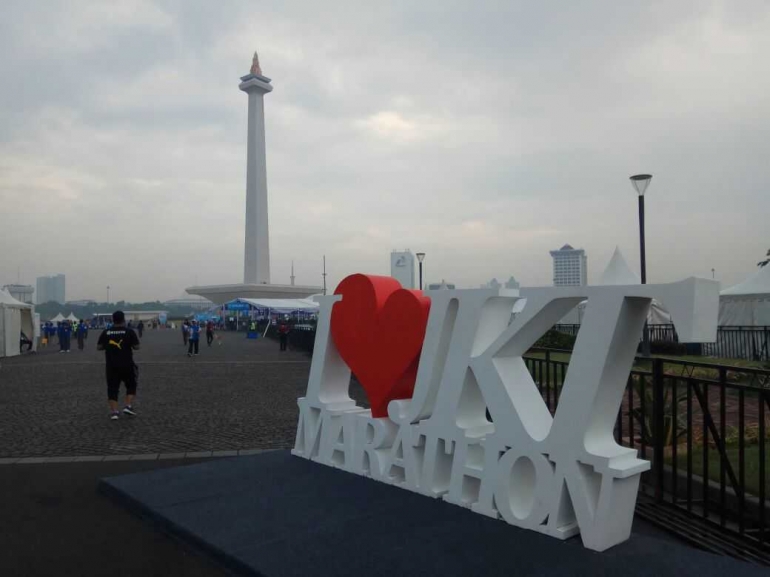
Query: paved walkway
x=237 y=395
x=55 y=522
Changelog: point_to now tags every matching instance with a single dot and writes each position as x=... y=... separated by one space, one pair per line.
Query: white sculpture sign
x=427 y=430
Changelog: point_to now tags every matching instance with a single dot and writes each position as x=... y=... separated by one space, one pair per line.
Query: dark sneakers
x=114 y=416
x=129 y=410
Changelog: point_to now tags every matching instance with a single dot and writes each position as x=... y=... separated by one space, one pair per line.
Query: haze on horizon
x=483 y=134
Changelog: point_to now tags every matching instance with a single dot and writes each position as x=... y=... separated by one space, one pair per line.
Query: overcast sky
x=482 y=133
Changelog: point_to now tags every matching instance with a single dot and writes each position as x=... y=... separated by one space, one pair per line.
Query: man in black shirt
x=119 y=343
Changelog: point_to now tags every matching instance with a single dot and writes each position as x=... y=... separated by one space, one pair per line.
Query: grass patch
x=751 y=459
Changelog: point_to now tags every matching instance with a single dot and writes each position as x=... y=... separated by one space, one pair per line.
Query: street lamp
x=640 y=183
x=108 y=294
x=420 y=257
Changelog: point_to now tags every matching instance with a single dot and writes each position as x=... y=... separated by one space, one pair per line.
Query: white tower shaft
x=256 y=261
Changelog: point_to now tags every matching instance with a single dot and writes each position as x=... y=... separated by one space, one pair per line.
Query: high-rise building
x=50 y=288
x=402 y=268
x=570 y=266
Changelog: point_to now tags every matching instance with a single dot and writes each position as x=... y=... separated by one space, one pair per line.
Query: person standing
x=283 y=335
x=209 y=332
x=65 y=332
x=185 y=331
x=81 y=332
x=119 y=343
x=140 y=328
x=195 y=333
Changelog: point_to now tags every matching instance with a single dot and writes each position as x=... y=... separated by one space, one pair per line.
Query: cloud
x=483 y=134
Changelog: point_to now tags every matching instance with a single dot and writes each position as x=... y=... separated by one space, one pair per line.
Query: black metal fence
x=704 y=427
x=733 y=342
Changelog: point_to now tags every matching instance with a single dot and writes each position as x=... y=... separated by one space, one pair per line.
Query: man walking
x=195 y=333
x=140 y=328
x=119 y=343
x=209 y=332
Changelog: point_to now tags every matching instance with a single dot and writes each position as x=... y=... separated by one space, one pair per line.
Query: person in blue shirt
x=195 y=334
x=65 y=332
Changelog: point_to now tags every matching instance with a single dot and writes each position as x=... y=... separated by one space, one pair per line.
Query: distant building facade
x=443 y=285
x=570 y=266
x=50 y=289
x=511 y=283
x=194 y=303
x=21 y=292
x=402 y=268
x=82 y=303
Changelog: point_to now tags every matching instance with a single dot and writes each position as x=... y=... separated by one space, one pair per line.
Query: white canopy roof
x=7 y=300
x=757 y=286
x=618 y=272
x=283 y=305
x=72 y=318
x=58 y=318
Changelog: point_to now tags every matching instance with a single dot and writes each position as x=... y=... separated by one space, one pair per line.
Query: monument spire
x=256 y=262
x=255 y=68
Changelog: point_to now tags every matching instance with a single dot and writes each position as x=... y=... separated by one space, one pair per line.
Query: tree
x=766 y=261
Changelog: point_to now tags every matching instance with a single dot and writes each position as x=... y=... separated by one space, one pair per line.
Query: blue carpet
x=277 y=515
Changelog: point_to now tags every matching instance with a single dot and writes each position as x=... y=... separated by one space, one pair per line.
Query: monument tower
x=256 y=257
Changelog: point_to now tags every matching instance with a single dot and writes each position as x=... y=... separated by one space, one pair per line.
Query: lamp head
x=641 y=182
x=420 y=256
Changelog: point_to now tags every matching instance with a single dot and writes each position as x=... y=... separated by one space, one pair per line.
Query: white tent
x=747 y=303
x=72 y=318
x=15 y=317
x=58 y=318
x=619 y=273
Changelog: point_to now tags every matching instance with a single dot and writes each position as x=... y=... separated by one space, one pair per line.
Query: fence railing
x=703 y=426
x=733 y=342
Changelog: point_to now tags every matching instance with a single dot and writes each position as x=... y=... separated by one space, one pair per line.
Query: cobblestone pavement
x=240 y=394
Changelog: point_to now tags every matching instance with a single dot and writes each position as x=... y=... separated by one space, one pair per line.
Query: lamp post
x=108 y=294
x=640 y=183
x=420 y=257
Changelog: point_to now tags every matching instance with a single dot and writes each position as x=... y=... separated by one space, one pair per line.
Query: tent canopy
x=747 y=303
x=618 y=272
x=280 y=305
x=7 y=300
x=72 y=318
x=16 y=317
x=58 y=318
x=756 y=286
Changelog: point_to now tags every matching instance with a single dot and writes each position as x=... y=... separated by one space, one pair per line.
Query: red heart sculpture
x=378 y=329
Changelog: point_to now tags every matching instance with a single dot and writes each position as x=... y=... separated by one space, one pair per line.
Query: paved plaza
x=237 y=395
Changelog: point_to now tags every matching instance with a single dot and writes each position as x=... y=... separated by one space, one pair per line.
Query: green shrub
x=556 y=340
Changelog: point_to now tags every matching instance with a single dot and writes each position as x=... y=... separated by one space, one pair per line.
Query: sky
x=484 y=134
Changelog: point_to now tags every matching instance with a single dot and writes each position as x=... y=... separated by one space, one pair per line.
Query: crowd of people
x=64 y=331
x=119 y=339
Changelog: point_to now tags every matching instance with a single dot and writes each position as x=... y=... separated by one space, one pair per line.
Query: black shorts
x=117 y=375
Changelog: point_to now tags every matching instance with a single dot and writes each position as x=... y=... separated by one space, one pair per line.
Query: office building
x=50 y=289
x=570 y=266
x=402 y=268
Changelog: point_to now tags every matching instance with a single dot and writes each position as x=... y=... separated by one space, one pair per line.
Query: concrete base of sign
x=274 y=514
